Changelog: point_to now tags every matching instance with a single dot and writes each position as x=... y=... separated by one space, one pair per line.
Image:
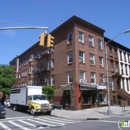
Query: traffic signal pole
x=24 y=27
x=46 y=39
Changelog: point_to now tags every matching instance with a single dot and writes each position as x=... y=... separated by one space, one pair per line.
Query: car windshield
x=39 y=97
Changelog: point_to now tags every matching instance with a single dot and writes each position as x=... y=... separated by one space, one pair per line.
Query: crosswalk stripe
x=4 y=126
x=50 y=121
x=68 y=120
x=62 y=121
x=27 y=123
x=22 y=127
x=41 y=122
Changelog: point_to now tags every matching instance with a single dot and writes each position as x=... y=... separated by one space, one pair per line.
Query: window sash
x=81 y=37
x=70 y=76
x=91 y=42
x=69 y=37
x=101 y=61
x=92 y=61
x=70 y=57
x=99 y=44
x=101 y=78
x=82 y=75
x=93 y=80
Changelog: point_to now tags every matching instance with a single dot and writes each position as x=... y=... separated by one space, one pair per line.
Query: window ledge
x=91 y=46
x=70 y=63
x=81 y=42
x=92 y=65
x=69 y=43
x=81 y=62
x=101 y=66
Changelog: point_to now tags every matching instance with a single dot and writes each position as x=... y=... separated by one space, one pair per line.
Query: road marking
x=27 y=123
x=41 y=122
x=50 y=121
x=16 y=117
x=107 y=121
x=4 y=126
x=60 y=120
x=22 y=127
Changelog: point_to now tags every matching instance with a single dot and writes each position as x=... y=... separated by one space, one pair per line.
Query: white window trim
x=68 y=76
x=92 y=58
x=92 y=41
x=69 y=42
x=100 y=44
x=102 y=65
x=81 y=40
x=83 y=74
x=94 y=77
x=68 y=57
x=82 y=61
x=52 y=78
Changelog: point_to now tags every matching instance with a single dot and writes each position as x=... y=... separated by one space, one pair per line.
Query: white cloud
x=9 y=33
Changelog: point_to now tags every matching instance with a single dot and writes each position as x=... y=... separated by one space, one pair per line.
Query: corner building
x=76 y=65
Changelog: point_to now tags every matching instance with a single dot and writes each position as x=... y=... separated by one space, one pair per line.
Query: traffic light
x=42 y=40
x=50 y=40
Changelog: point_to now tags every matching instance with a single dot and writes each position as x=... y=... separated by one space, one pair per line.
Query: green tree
x=7 y=78
x=49 y=91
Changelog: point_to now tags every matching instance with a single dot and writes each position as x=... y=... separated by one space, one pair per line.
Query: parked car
x=2 y=111
x=7 y=103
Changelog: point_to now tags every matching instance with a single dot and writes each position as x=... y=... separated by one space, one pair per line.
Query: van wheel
x=32 y=111
x=15 y=108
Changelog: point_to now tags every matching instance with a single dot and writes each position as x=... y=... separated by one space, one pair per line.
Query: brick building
x=119 y=71
x=76 y=65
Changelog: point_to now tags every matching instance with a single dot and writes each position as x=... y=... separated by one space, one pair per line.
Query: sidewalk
x=97 y=113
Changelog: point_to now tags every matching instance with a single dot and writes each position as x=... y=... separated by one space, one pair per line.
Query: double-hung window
x=82 y=74
x=92 y=59
x=70 y=76
x=93 y=77
x=111 y=65
x=101 y=61
x=126 y=72
x=81 y=37
x=101 y=78
x=70 y=57
x=122 y=72
x=81 y=57
x=99 y=44
x=69 y=38
x=52 y=63
x=127 y=83
x=112 y=83
x=116 y=66
x=53 y=80
x=120 y=55
x=110 y=51
x=91 y=41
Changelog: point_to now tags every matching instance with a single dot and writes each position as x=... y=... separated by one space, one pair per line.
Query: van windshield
x=39 y=97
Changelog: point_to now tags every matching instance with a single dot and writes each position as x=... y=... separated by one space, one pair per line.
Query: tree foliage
x=7 y=78
x=49 y=91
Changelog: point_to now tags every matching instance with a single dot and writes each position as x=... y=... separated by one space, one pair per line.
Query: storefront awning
x=66 y=86
x=89 y=86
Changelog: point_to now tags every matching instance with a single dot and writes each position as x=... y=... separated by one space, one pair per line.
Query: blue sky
x=111 y=15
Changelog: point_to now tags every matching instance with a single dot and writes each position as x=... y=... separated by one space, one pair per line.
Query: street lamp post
x=108 y=91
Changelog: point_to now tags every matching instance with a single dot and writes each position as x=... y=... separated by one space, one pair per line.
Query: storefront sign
x=66 y=87
x=101 y=87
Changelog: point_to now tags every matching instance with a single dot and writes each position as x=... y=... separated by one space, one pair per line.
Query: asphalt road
x=16 y=120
